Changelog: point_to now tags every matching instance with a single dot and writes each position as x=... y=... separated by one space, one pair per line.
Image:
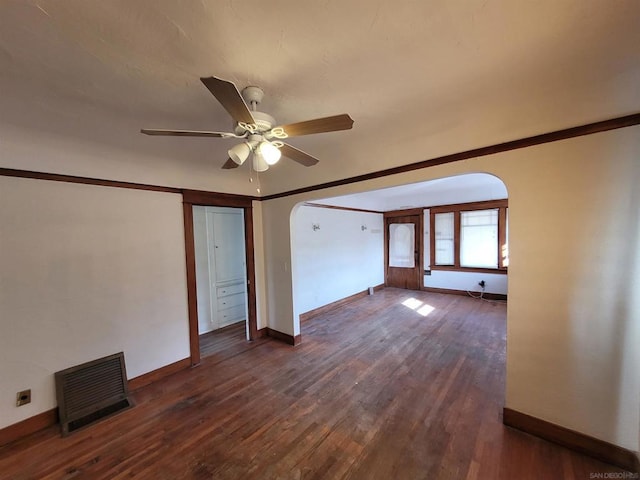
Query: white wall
x=336 y=261
x=467 y=281
x=86 y=271
x=572 y=356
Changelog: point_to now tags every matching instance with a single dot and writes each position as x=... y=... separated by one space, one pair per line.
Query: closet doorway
x=220 y=282
x=221 y=277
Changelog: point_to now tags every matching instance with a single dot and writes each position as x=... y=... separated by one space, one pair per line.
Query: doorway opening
x=347 y=246
x=227 y=304
x=220 y=277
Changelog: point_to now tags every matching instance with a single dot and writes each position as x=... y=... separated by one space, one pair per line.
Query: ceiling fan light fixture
x=269 y=152
x=240 y=152
x=259 y=162
x=257 y=128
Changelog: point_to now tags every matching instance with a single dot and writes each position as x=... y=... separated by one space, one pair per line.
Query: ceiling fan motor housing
x=263 y=121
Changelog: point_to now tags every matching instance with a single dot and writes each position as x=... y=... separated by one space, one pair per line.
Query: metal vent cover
x=91 y=391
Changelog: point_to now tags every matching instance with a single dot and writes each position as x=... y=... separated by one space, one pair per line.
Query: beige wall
x=85 y=272
x=573 y=328
x=258 y=255
x=572 y=356
x=126 y=155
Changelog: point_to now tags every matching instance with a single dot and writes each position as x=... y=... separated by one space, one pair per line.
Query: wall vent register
x=91 y=391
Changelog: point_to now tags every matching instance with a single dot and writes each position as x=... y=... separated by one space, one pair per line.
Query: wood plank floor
x=399 y=385
x=225 y=341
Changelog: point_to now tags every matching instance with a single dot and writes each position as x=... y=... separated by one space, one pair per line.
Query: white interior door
x=228 y=239
x=220 y=266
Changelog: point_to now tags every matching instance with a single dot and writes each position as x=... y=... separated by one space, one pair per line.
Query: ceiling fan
x=260 y=134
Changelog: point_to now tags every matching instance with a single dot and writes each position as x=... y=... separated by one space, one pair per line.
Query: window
x=470 y=236
x=402 y=245
x=479 y=238
x=444 y=239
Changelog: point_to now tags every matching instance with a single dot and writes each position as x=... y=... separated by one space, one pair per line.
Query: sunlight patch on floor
x=422 y=308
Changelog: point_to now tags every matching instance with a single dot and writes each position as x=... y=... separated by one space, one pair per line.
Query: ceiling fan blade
x=187 y=133
x=319 y=125
x=298 y=155
x=230 y=98
x=229 y=164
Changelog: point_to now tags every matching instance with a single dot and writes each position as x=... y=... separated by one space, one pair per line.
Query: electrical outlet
x=482 y=284
x=23 y=397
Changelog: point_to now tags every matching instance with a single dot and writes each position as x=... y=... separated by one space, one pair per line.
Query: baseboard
x=283 y=337
x=158 y=374
x=579 y=442
x=261 y=333
x=28 y=426
x=486 y=296
x=338 y=303
x=50 y=417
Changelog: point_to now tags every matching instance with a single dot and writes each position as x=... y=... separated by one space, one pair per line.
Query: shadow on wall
x=606 y=329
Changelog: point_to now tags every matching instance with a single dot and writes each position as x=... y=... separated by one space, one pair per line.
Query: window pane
x=479 y=238
x=444 y=238
x=402 y=245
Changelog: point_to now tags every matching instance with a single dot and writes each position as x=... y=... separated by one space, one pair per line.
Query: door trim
x=419 y=212
x=214 y=200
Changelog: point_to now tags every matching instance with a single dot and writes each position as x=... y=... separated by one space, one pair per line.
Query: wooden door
x=403 y=251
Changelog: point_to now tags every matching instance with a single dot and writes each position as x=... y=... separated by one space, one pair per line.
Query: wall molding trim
x=200 y=197
x=449 y=291
x=283 y=337
x=336 y=207
x=579 y=442
x=56 y=177
x=338 y=303
x=564 y=134
x=557 y=135
x=49 y=418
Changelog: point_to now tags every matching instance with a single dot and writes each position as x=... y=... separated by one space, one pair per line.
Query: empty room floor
x=398 y=385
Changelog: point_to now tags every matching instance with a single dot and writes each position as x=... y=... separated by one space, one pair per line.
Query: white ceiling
x=472 y=187
x=420 y=78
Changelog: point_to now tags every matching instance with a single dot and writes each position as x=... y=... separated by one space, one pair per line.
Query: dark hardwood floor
x=383 y=388
x=225 y=342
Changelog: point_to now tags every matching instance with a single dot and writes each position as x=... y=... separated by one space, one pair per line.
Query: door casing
x=189 y=199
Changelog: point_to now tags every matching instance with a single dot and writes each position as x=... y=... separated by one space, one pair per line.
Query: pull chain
x=251 y=177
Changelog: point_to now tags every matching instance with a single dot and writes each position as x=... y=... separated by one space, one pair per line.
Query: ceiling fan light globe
x=269 y=152
x=259 y=163
x=239 y=153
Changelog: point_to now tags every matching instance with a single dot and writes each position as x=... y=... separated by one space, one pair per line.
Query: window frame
x=456 y=209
